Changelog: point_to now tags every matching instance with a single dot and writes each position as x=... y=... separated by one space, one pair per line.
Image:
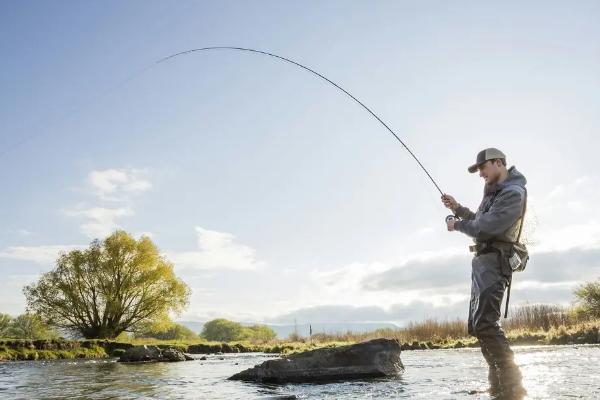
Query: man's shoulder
x=513 y=187
x=513 y=191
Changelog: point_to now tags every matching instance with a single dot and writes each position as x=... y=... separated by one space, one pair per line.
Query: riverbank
x=14 y=349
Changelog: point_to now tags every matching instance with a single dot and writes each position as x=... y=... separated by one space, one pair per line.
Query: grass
x=531 y=324
x=17 y=353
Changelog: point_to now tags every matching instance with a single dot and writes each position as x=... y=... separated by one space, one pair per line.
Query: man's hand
x=450 y=223
x=450 y=202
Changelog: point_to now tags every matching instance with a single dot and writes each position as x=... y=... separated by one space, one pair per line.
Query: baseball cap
x=485 y=155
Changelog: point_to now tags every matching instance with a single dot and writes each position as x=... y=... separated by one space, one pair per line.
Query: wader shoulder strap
x=522 y=215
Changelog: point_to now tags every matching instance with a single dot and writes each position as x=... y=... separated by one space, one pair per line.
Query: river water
x=550 y=372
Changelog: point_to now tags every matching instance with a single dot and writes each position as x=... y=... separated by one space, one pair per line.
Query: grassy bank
x=19 y=349
x=527 y=325
x=411 y=338
x=15 y=349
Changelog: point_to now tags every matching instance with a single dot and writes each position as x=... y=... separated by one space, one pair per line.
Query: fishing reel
x=451 y=218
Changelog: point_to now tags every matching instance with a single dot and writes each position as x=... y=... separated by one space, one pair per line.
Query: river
x=550 y=372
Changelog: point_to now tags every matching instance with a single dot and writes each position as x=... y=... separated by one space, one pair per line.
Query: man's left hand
x=450 y=223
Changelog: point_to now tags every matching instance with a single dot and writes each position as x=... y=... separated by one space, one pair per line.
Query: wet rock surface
x=153 y=353
x=372 y=359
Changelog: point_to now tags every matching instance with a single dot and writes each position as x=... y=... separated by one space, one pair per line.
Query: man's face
x=490 y=171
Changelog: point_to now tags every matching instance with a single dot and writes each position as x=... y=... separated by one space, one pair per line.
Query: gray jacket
x=499 y=214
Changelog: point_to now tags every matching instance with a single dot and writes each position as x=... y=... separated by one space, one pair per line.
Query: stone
x=173 y=355
x=372 y=359
x=152 y=353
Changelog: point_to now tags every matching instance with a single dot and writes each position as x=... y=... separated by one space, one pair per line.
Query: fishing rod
x=266 y=53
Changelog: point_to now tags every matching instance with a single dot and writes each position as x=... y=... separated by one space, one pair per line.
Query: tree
x=171 y=331
x=222 y=330
x=113 y=286
x=259 y=333
x=30 y=326
x=588 y=295
x=5 y=320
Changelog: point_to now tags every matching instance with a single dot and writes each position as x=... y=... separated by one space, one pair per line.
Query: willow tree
x=115 y=285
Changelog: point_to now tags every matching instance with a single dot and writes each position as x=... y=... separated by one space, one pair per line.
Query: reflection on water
x=550 y=372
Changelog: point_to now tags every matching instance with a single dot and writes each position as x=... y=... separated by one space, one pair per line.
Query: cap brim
x=473 y=168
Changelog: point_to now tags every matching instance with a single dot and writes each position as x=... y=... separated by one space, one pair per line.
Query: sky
x=275 y=196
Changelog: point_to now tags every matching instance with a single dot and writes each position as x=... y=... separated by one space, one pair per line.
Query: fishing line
x=266 y=53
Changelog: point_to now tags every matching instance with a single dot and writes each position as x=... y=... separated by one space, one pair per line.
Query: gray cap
x=485 y=155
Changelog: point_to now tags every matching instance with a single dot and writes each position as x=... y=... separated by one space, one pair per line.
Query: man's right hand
x=450 y=202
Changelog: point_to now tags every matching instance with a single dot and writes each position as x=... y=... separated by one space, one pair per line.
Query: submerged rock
x=372 y=359
x=153 y=353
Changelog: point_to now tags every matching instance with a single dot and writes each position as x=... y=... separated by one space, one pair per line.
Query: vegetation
x=115 y=285
x=26 y=326
x=588 y=297
x=170 y=331
x=528 y=324
x=221 y=329
x=4 y=324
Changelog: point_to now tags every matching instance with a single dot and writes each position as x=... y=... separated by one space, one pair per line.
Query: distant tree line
x=223 y=330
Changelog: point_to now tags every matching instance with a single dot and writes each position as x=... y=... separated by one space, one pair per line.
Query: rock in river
x=153 y=353
x=372 y=359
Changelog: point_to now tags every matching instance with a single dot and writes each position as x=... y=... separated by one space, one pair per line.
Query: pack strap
x=507 y=296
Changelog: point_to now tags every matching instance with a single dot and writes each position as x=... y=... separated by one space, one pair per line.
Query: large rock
x=153 y=353
x=372 y=359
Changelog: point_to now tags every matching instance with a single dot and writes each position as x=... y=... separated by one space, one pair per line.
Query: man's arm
x=505 y=211
x=464 y=213
x=460 y=211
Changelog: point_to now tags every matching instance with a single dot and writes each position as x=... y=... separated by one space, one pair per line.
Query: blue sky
x=274 y=195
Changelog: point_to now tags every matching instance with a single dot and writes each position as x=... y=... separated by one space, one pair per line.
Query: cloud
x=399 y=313
x=118 y=184
x=115 y=186
x=567 y=217
x=441 y=272
x=101 y=221
x=217 y=250
x=572 y=265
x=37 y=254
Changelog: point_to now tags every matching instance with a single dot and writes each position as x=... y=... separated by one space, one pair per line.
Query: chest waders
x=516 y=262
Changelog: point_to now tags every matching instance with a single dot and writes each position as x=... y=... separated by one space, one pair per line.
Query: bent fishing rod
x=266 y=53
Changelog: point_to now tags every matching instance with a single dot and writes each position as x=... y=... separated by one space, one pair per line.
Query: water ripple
x=550 y=372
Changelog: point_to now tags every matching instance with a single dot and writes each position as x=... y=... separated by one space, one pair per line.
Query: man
x=493 y=227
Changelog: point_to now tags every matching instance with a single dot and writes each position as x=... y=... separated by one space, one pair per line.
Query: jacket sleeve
x=464 y=213
x=504 y=212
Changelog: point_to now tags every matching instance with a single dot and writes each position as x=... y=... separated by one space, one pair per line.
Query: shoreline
x=23 y=350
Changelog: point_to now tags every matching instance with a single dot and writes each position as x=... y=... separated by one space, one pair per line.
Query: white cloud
x=397 y=313
x=217 y=250
x=100 y=221
x=567 y=217
x=118 y=184
x=38 y=254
